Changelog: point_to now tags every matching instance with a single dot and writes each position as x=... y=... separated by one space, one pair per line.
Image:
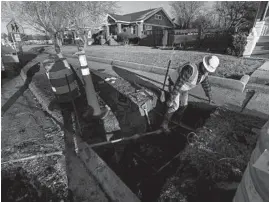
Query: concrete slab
x=265 y=66
x=258 y=88
x=260 y=77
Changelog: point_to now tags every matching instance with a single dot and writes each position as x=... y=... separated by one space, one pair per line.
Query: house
x=258 y=39
x=142 y=24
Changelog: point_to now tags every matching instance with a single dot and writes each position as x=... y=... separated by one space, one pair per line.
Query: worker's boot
x=167 y=118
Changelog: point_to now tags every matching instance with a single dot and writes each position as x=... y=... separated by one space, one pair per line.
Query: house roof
x=137 y=16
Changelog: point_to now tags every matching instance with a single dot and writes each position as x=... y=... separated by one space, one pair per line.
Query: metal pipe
x=133 y=137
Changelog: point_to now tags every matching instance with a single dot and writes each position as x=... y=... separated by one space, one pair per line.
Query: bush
x=135 y=40
x=98 y=36
x=239 y=41
x=125 y=37
x=215 y=41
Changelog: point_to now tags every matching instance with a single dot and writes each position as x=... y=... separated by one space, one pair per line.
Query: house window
x=158 y=17
x=148 y=27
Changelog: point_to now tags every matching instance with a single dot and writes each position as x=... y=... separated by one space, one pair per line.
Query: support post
x=140 y=29
x=107 y=32
x=89 y=88
x=119 y=27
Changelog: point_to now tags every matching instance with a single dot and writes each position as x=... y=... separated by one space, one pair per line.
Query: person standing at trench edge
x=189 y=77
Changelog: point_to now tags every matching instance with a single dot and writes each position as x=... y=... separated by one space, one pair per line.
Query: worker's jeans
x=180 y=100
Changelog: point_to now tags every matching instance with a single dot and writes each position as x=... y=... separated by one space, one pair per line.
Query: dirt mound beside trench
x=214 y=160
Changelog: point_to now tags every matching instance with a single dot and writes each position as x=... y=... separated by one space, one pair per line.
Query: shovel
x=162 y=98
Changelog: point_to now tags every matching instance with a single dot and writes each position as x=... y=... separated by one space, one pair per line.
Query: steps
x=262 y=48
x=112 y=42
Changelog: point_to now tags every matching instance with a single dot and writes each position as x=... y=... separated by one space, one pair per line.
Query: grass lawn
x=230 y=66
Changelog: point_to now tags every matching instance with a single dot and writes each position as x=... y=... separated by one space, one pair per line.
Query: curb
x=215 y=80
x=257 y=87
x=261 y=75
x=105 y=177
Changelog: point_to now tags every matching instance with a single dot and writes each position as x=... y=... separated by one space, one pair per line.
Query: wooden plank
x=107 y=178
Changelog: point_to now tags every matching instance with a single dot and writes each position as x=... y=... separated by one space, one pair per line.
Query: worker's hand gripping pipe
x=162 y=98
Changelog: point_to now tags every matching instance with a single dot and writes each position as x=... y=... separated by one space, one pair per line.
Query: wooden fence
x=212 y=39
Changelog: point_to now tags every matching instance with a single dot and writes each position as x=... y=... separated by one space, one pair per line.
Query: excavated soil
x=210 y=161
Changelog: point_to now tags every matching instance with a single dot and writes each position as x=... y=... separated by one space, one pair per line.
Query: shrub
x=97 y=37
x=239 y=41
x=215 y=41
x=134 y=40
x=125 y=37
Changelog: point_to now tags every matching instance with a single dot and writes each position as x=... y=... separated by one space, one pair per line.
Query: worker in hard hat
x=188 y=77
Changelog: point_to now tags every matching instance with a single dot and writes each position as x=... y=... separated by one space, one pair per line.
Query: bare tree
x=83 y=15
x=235 y=13
x=186 y=12
x=54 y=17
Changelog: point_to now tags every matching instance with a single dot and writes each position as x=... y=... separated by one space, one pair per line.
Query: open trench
x=142 y=164
x=147 y=164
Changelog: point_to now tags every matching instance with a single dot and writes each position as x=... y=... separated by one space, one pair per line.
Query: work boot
x=164 y=125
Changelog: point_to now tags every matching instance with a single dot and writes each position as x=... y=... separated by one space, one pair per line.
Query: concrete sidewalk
x=261 y=75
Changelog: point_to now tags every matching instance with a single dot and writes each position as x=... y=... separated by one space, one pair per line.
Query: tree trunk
x=57 y=43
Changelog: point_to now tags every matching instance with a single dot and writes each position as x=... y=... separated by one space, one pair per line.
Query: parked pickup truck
x=9 y=57
x=9 y=54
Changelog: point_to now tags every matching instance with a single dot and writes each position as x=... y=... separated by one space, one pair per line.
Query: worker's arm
x=184 y=76
x=207 y=88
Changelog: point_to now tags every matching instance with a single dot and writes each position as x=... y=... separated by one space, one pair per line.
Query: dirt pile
x=213 y=162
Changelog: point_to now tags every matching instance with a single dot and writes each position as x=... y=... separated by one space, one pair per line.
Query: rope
x=194 y=135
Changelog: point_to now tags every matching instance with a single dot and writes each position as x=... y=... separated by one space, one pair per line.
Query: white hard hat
x=211 y=63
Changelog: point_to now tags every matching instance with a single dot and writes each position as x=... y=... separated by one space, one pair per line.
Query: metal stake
x=74 y=106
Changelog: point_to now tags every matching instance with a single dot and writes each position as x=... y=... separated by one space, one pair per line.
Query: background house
x=258 y=40
x=149 y=25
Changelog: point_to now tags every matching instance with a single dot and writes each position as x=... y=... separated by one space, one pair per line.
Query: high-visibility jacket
x=192 y=81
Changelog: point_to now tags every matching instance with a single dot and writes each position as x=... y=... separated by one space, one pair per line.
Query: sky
x=135 y=6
